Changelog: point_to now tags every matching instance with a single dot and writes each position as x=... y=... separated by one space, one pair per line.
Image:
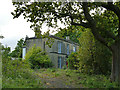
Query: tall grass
x=17 y=74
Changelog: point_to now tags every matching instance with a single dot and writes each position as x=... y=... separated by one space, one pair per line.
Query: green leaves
x=37 y=58
x=95 y=57
x=17 y=53
x=49 y=13
x=73 y=32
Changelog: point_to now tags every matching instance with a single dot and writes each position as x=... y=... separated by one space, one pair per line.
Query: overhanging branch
x=110 y=6
x=92 y=23
x=86 y=25
x=108 y=34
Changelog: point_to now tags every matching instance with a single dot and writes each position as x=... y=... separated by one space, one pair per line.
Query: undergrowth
x=77 y=79
x=17 y=74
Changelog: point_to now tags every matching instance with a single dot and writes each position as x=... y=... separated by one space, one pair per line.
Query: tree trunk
x=115 y=72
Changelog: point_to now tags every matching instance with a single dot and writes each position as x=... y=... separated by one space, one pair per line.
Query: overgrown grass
x=22 y=79
x=17 y=74
x=78 y=80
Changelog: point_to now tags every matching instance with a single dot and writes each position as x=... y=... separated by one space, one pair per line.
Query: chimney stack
x=67 y=38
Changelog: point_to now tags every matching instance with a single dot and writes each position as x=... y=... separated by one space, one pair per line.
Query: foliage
x=73 y=60
x=17 y=74
x=96 y=81
x=73 y=33
x=72 y=14
x=72 y=78
x=18 y=49
x=93 y=56
x=37 y=58
x=5 y=51
x=102 y=18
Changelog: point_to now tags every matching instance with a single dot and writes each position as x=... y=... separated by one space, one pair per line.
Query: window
x=59 y=47
x=74 y=49
x=59 y=62
x=67 y=48
x=23 y=52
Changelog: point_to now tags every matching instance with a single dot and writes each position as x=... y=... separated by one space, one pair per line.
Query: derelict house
x=59 y=51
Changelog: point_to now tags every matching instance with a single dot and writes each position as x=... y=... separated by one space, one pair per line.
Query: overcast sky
x=13 y=29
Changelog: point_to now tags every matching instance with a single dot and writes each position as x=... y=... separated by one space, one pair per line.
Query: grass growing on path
x=60 y=78
x=53 y=78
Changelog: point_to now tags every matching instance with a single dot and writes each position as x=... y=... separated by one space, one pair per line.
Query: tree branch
x=86 y=25
x=110 y=6
x=87 y=15
x=108 y=34
x=92 y=23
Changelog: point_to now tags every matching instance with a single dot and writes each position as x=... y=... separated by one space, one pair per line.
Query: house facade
x=59 y=51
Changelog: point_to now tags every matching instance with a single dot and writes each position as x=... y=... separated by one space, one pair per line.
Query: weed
x=68 y=74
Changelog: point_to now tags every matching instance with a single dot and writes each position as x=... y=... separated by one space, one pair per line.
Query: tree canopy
x=102 y=18
x=17 y=53
x=74 y=13
x=73 y=33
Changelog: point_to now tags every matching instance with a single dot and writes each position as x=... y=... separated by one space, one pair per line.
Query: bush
x=92 y=58
x=37 y=58
x=17 y=75
x=73 y=61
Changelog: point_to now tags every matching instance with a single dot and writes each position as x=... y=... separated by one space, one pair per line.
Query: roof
x=52 y=36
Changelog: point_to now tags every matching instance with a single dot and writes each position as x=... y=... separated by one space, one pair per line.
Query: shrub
x=73 y=61
x=92 y=58
x=37 y=58
x=17 y=75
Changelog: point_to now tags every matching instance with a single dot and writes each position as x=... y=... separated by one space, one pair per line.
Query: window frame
x=68 y=47
x=74 y=49
x=59 y=47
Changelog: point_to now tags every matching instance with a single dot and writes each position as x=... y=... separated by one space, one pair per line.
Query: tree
x=94 y=58
x=18 y=49
x=79 y=14
x=5 y=51
x=73 y=33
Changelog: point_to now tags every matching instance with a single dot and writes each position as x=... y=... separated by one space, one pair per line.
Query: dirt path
x=54 y=83
x=49 y=80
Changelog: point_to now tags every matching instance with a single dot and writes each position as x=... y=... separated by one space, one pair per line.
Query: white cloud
x=13 y=29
